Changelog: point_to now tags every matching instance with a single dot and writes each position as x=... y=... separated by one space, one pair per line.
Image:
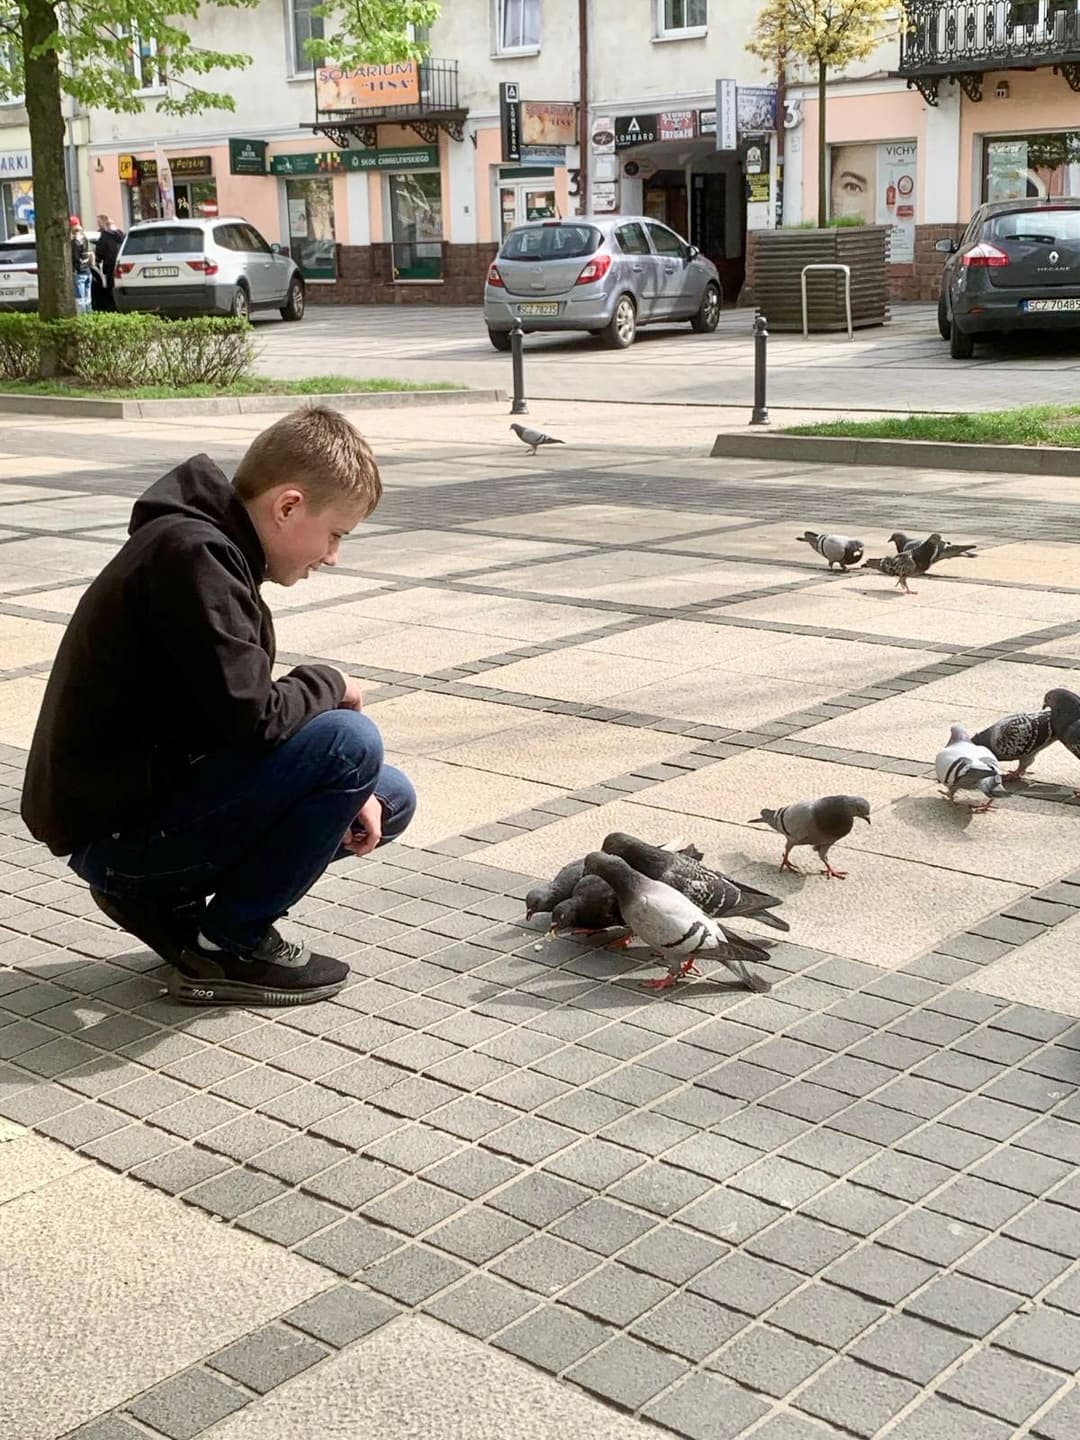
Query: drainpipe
x=583 y=104
x=781 y=94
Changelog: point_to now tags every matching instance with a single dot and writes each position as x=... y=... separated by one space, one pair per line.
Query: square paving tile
x=562 y=750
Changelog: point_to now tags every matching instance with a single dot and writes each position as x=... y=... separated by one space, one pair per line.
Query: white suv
x=206 y=267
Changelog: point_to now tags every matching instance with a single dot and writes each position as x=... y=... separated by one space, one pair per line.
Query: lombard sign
x=638 y=129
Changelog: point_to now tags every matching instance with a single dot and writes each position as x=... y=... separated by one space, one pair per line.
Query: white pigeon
x=534 y=438
x=963 y=765
x=836 y=549
x=670 y=924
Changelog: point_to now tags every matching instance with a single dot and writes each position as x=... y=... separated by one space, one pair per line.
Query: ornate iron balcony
x=963 y=39
x=436 y=108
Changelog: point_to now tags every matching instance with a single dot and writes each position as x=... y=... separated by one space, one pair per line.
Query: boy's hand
x=353 y=698
x=369 y=821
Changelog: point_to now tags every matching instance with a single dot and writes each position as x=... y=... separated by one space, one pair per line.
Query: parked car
x=607 y=274
x=1016 y=267
x=206 y=267
x=19 y=273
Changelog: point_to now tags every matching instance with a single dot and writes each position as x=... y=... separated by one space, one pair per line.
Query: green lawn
x=1032 y=425
x=251 y=385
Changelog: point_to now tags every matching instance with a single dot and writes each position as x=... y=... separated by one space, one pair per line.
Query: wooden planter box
x=779 y=259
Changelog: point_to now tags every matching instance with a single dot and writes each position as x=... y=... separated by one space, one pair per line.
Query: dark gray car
x=1016 y=267
x=607 y=274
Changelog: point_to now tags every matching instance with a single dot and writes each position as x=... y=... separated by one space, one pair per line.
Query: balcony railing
x=438 y=96
x=945 y=37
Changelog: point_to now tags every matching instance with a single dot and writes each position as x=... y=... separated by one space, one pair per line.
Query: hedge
x=117 y=351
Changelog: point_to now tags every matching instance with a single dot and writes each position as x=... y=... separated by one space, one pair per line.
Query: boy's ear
x=287 y=501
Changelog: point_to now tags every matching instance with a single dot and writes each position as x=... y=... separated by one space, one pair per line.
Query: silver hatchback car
x=607 y=274
x=206 y=267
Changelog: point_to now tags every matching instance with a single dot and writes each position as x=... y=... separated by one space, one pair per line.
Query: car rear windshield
x=18 y=254
x=1046 y=227
x=550 y=242
x=164 y=240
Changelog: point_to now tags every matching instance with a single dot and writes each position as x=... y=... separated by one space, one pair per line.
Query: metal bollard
x=517 y=340
x=760 y=414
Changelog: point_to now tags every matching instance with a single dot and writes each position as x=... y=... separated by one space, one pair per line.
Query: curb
x=237 y=404
x=924 y=454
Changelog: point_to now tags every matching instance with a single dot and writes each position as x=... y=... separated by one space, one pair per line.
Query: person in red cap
x=82 y=260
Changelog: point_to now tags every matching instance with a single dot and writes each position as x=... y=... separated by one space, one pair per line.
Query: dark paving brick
x=627 y=1372
x=349 y=1246
x=826 y=1315
x=1022 y=1170
x=616 y=1294
x=689 y=1325
x=1062 y=1422
x=801 y=1243
x=1045 y=1335
x=188 y=1403
x=413 y=1273
x=481 y=1305
x=1011 y=1265
x=769 y=1360
x=1052 y=1226
x=479 y=1235
x=180 y=1169
x=936 y=1419
x=880 y=1274
x=706 y=1407
x=267 y=1358
x=234 y=1192
x=290 y=1218
x=538 y=1199
x=855 y=1397
x=850 y=1207
x=1001 y=1385
x=910 y=1348
x=745 y=1283
x=965 y=1305
x=545 y=1264
x=112 y=1427
x=673 y=1254
x=553 y=1338
x=978 y=1202
x=1067 y=1295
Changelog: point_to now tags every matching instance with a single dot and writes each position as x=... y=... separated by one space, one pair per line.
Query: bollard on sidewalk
x=517 y=340
x=760 y=415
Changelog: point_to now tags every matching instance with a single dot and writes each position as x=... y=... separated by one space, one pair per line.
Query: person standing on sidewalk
x=106 y=250
x=82 y=258
x=170 y=766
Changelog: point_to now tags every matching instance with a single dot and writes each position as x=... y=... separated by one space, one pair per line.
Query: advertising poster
x=875 y=183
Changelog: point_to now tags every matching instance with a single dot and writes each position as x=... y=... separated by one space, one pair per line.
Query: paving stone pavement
x=847 y=1207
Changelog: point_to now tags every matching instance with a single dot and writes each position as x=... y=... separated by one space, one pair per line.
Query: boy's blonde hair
x=317 y=450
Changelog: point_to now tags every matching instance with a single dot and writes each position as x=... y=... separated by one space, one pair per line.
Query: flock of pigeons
x=668 y=900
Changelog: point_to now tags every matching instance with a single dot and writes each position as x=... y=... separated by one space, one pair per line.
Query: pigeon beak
x=866 y=818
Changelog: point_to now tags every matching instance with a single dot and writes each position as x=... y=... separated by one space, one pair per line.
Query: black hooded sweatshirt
x=168 y=656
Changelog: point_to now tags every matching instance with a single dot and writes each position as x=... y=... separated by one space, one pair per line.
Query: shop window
x=416 y=225
x=303 y=26
x=311 y=227
x=676 y=17
x=1032 y=167
x=517 y=25
x=17 y=198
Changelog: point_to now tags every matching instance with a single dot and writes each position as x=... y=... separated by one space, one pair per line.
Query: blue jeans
x=255 y=828
x=82 y=291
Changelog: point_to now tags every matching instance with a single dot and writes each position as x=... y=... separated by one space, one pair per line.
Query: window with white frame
x=676 y=17
x=517 y=25
x=304 y=26
x=143 y=61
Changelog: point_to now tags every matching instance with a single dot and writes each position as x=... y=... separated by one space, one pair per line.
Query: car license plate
x=1073 y=304
x=539 y=307
x=160 y=272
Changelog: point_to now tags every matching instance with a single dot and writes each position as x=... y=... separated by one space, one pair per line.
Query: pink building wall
x=892 y=115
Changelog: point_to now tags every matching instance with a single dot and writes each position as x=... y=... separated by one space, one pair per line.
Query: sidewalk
x=495 y=1189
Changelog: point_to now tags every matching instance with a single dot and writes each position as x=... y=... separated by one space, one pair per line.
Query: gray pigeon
x=591 y=908
x=836 y=549
x=544 y=898
x=673 y=926
x=929 y=551
x=820 y=823
x=1064 y=707
x=900 y=566
x=710 y=890
x=1017 y=737
x=963 y=765
x=534 y=438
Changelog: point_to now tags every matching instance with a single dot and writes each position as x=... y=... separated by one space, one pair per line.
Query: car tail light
x=494 y=278
x=984 y=257
x=595 y=270
x=125 y=267
x=207 y=267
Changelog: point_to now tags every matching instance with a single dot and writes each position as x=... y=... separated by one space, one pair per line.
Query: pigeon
x=963 y=765
x=819 y=823
x=673 y=926
x=542 y=898
x=1017 y=737
x=836 y=549
x=1064 y=707
x=534 y=438
x=591 y=907
x=929 y=551
x=711 y=891
x=901 y=565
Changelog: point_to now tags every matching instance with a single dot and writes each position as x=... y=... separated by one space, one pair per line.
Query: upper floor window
x=143 y=61
x=677 y=17
x=517 y=25
x=304 y=26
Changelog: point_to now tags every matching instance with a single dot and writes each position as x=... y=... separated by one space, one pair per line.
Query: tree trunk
x=822 y=190
x=56 y=290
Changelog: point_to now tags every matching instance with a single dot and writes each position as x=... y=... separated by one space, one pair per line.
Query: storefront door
x=311 y=227
x=525 y=194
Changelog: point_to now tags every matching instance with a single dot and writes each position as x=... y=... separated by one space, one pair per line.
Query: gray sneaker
x=276 y=972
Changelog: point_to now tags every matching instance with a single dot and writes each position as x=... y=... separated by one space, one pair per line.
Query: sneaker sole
x=188 y=991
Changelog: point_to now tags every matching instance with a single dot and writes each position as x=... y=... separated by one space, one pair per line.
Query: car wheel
x=943 y=316
x=293 y=309
x=499 y=338
x=961 y=343
x=621 y=330
x=708 y=315
x=240 y=305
